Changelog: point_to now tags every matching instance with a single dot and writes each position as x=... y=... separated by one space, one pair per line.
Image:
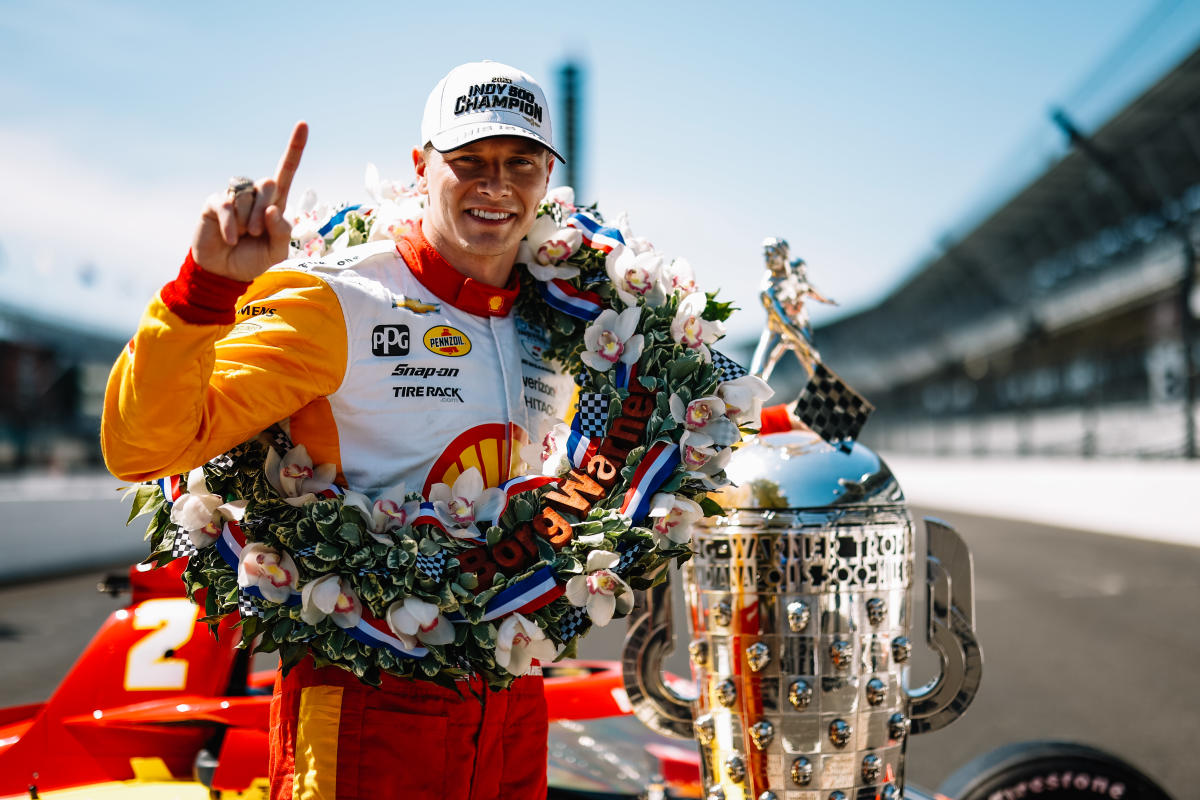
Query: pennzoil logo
x=446 y=341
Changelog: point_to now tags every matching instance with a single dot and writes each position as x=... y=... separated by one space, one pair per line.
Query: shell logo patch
x=446 y=341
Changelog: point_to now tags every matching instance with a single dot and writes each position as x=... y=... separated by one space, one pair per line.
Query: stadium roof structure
x=62 y=337
x=1095 y=231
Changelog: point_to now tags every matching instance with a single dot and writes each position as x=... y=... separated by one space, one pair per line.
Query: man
x=394 y=361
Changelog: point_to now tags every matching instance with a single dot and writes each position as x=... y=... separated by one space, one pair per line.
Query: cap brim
x=456 y=137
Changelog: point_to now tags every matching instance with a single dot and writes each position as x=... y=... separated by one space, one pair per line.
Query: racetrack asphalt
x=1086 y=637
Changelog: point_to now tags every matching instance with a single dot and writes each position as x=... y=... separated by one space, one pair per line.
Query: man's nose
x=493 y=179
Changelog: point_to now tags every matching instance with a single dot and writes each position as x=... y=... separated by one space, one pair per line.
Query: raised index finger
x=290 y=163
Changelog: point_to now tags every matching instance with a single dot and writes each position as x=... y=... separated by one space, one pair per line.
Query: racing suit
x=393 y=366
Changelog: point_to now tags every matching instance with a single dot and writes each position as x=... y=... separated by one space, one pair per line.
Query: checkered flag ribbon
x=248 y=605
x=726 y=367
x=831 y=408
x=280 y=439
x=181 y=544
x=573 y=623
x=306 y=551
x=592 y=417
x=223 y=462
x=626 y=560
x=432 y=566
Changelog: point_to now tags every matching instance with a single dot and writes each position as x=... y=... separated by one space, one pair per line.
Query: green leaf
x=710 y=507
x=484 y=635
x=146 y=500
x=328 y=552
x=350 y=533
x=682 y=367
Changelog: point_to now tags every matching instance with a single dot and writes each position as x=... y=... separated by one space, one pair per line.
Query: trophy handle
x=647 y=643
x=951 y=631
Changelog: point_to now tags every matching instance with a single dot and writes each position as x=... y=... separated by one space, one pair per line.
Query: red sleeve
x=201 y=297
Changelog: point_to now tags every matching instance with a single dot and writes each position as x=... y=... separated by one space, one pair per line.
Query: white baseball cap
x=482 y=99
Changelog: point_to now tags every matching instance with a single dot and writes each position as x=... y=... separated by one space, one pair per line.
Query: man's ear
x=419 y=164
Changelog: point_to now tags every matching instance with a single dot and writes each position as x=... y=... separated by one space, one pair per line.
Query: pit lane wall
x=52 y=525
x=56 y=524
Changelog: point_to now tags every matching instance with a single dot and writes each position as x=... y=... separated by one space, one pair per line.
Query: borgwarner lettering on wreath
x=475 y=579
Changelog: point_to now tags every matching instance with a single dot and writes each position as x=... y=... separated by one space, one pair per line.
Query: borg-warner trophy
x=800 y=603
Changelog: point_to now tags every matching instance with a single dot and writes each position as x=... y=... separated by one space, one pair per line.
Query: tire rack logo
x=389 y=340
x=447 y=394
x=446 y=341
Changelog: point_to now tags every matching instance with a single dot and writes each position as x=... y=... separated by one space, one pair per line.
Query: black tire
x=1050 y=770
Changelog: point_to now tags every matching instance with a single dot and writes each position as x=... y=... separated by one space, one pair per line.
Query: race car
x=158 y=707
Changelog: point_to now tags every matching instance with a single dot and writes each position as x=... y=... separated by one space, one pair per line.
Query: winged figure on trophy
x=800 y=600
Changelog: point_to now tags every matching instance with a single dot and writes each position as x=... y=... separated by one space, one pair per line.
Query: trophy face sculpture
x=800 y=602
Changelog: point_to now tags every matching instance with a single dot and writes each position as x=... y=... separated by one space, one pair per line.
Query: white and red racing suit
x=392 y=365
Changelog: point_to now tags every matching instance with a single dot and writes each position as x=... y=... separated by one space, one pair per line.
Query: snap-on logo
x=447 y=341
x=389 y=340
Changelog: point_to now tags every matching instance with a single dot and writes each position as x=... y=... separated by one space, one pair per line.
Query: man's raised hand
x=242 y=234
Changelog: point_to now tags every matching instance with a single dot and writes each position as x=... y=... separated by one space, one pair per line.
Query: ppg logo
x=389 y=340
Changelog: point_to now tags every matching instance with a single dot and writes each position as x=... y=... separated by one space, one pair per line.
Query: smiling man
x=396 y=362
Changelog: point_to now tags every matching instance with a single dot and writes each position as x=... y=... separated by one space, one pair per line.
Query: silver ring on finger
x=239 y=185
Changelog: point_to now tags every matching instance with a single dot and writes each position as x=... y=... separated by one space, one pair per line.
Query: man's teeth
x=489 y=214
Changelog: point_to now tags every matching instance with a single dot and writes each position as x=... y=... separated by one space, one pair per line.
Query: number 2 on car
x=150 y=664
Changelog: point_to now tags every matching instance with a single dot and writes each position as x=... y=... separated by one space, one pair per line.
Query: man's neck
x=492 y=270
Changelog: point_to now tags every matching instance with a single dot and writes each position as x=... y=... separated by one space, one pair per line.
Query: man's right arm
x=190 y=385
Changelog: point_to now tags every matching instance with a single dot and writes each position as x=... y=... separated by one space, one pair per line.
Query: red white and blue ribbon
x=656 y=466
x=596 y=235
x=579 y=449
x=230 y=543
x=373 y=631
x=624 y=373
x=337 y=219
x=525 y=483
x=525 y=595
x=578 y=303
x=171 y=486
x=427 y=515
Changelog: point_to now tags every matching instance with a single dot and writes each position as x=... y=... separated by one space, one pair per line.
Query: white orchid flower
x=380 y=190
x=330 y=596
x=638 y=244
x=637 y=277
x=545 y=248
x=611 y=339
x=705 y=415
x=673 y=518
x=691 y=330
x=389 y=513
x=600 y=591
x=413 y=620
x=461 y=506
x=744 y=398
x=294 y=476
x=519 y=641
x=270 y=571
x=549 y=457
x=564 y=196
x=702 y=459
x=395 y=219
x=307 y=218
x=679 y=277
x=201 y=513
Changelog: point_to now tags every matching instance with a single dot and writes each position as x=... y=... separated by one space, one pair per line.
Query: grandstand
x=1060 y=317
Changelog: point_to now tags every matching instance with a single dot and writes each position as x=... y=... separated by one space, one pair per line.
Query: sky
x=860 y=132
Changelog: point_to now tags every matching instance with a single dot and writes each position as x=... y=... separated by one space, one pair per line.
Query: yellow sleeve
x=182 y=393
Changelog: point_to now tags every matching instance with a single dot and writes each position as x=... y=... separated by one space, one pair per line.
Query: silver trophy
x=800 y=603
